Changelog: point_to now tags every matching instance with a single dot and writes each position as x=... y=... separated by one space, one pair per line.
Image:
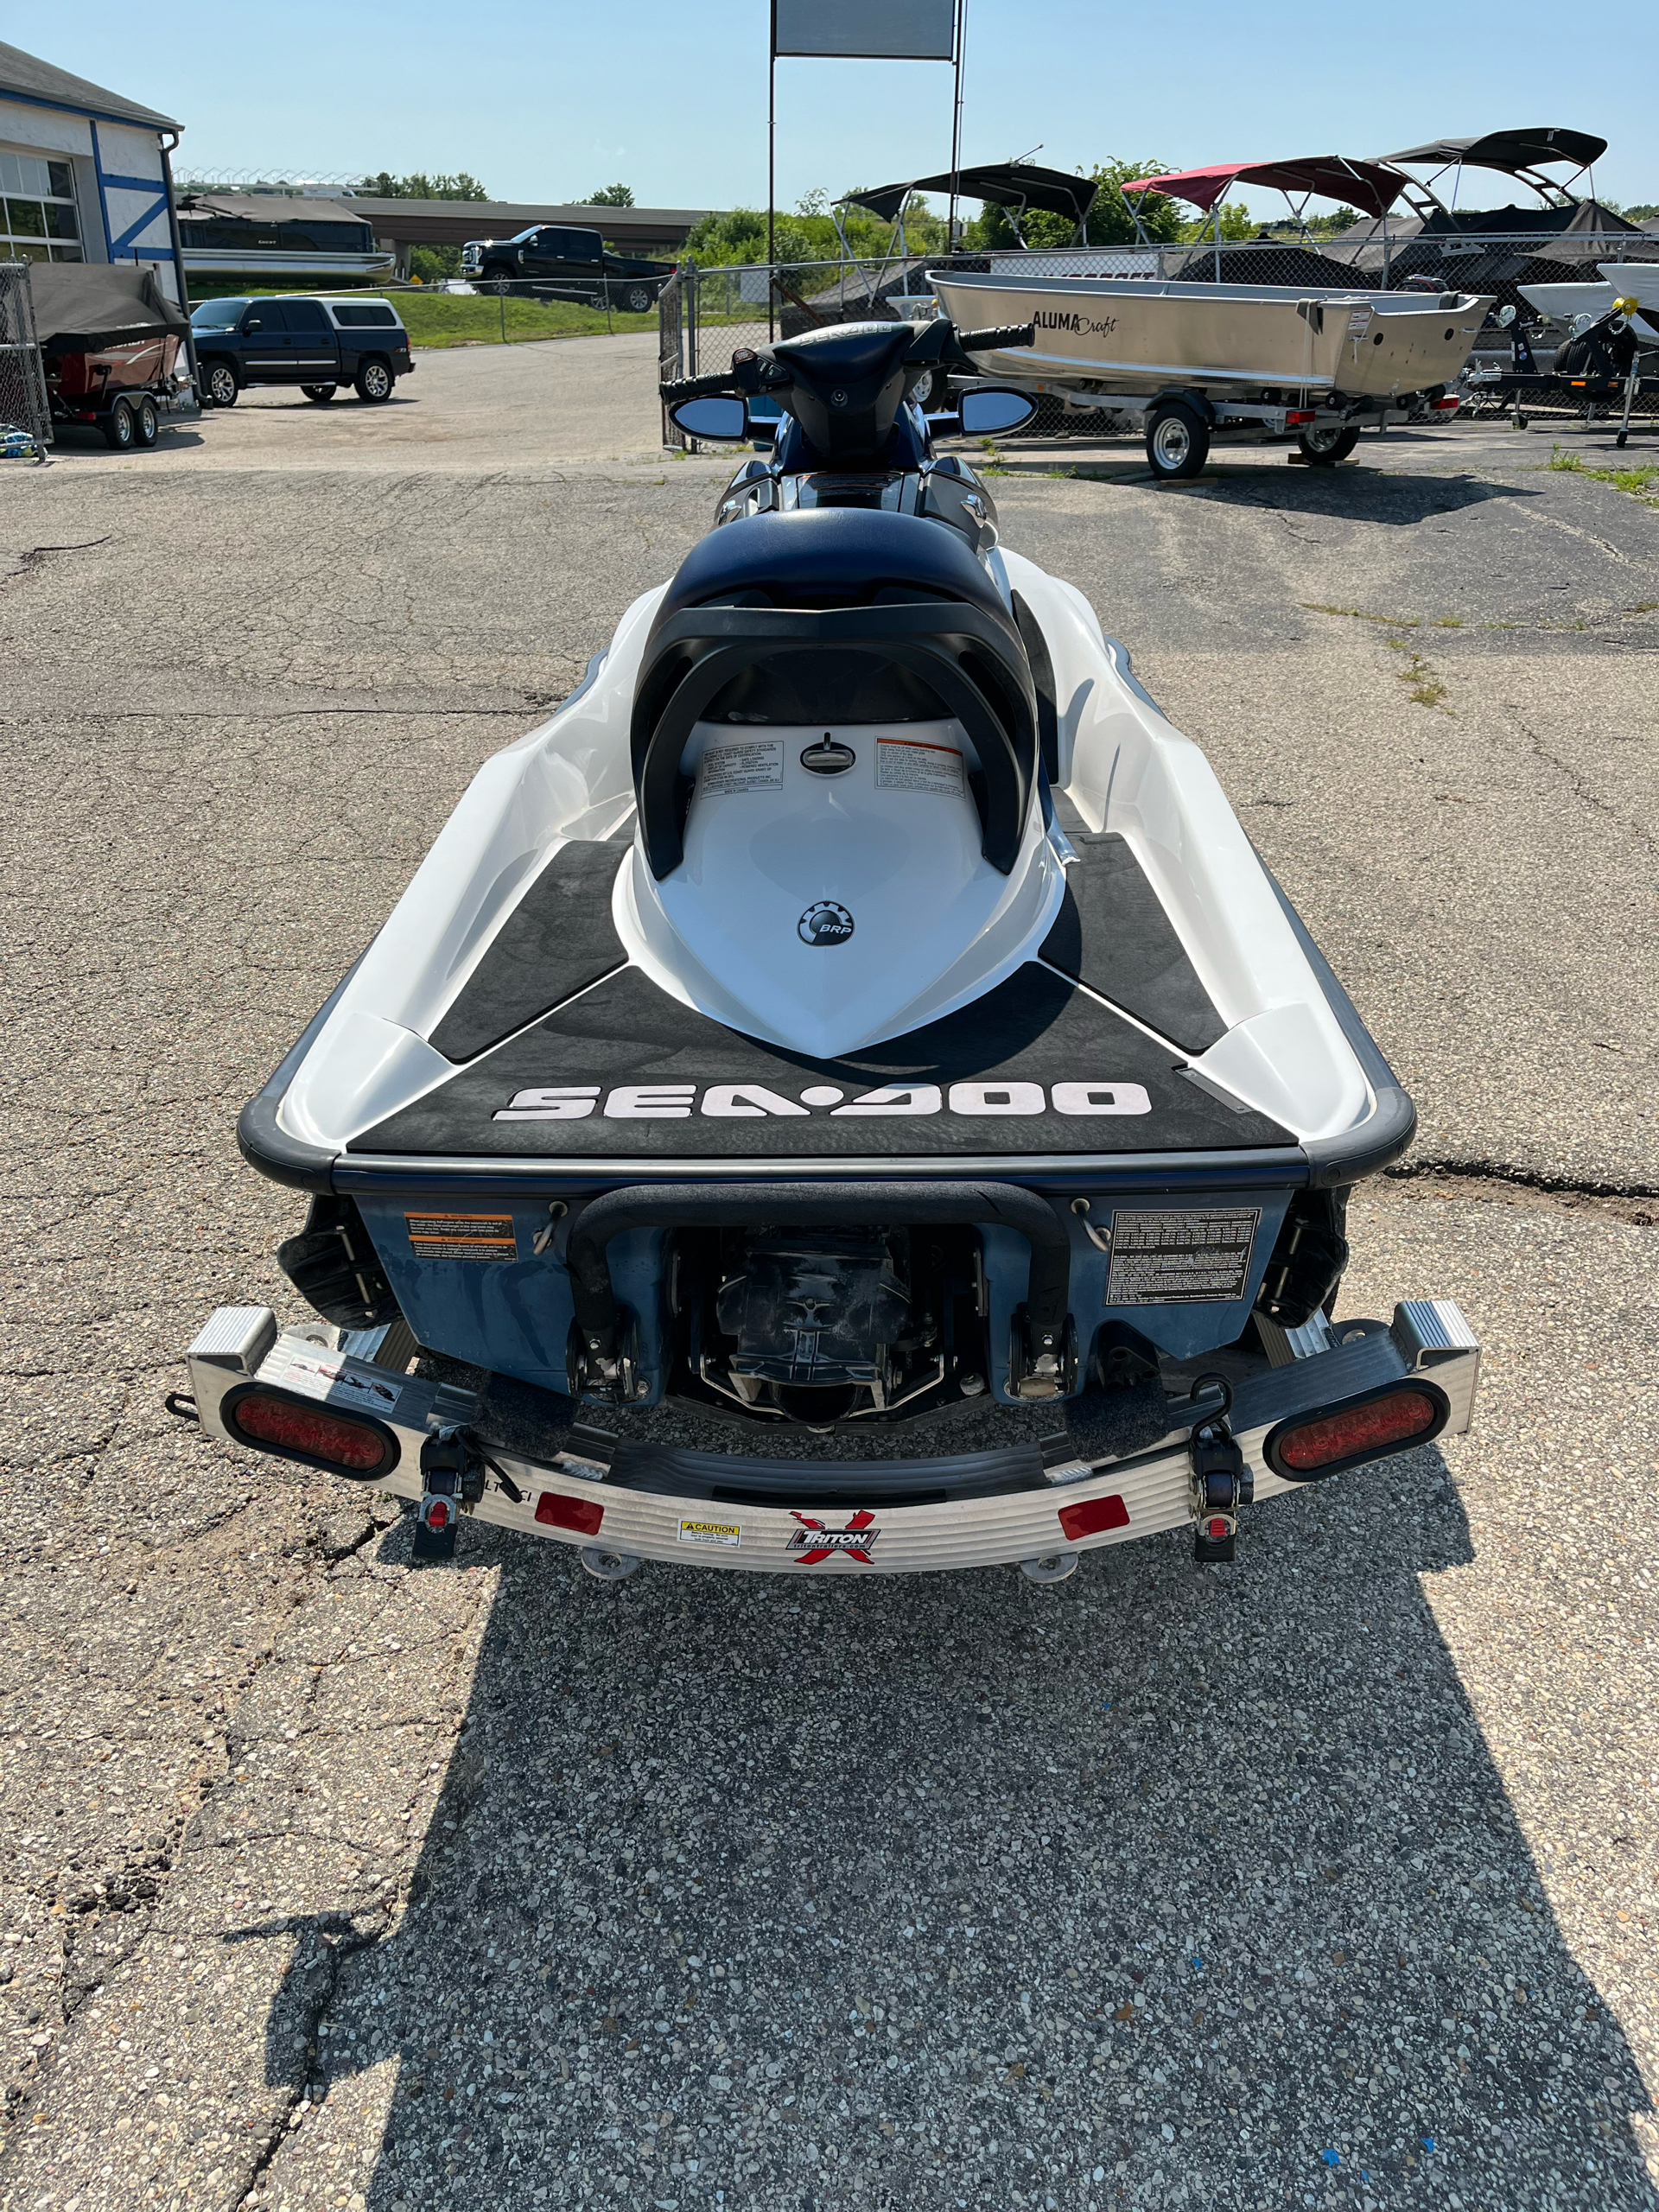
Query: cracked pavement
x=1328 y=1878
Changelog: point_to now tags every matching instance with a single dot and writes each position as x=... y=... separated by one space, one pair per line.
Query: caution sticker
x=323 y=1375
x=462 y=1236
x=909 y=764
x=725 y=1533
x=755 y=765
x=1197 y=1257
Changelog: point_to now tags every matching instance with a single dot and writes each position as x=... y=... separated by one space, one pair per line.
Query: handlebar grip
x=709 y=387
x=1000 y=341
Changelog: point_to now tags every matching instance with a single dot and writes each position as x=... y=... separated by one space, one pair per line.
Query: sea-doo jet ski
x=843 y=1094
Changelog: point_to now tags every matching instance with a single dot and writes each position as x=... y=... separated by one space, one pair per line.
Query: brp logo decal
x=813 y=1542
x=825 y=922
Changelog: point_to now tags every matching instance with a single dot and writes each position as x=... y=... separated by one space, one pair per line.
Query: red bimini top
x=1371 y=186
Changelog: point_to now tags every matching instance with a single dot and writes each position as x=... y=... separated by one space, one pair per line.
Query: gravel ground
x=1328 y=1878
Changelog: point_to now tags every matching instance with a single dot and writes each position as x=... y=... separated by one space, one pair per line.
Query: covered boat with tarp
x=113 y=346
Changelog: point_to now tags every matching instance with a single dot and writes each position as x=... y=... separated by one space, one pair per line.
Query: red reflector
x=1090 y=1514
x=1373 y=1428
x=436 y=1515
x=578 y=1513
x=1447 y=406
x=1299 y=415
x=309 y=1429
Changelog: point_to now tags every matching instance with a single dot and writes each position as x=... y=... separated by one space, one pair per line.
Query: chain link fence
x=25 y=416
x=708 y=314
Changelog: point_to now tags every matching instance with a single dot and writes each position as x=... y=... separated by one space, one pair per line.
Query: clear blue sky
x=545 y=102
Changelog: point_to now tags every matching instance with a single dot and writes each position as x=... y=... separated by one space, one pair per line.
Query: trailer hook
x=1100 y=1238
x=1215 y=1420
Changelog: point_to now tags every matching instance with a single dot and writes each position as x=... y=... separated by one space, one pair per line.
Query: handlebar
x=709 y=387
x=723 y=383
x=1001 y=340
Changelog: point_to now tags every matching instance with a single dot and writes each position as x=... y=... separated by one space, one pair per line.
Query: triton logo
x=813 y=1542
x=825 y=922
x=752 y=1101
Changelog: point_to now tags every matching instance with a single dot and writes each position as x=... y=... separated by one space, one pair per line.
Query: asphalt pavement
x=1327 y=1878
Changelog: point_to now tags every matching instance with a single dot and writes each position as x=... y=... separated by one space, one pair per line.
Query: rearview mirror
x=711 y=418
x=982 y=413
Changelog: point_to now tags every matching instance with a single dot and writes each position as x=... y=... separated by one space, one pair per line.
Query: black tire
x=1178 y=441
x=1324 y=448
x=219 y=387
x=374 y=382
x=146 y=423
x=495 y=274
x=637 y=299
x=120 y=431
x=321 y=393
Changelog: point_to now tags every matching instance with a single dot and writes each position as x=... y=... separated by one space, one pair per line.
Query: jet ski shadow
x=907 y=1892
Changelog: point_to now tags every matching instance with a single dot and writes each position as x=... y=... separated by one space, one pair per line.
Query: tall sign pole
x=959 y=35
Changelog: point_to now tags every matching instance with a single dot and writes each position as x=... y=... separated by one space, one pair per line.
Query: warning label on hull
x=462 y=1236
x=726 y=1535
x=905 y=763
x=756 y=766
x=1193 y=1257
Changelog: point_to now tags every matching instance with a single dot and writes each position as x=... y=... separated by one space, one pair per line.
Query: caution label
x=909 y=764
x=725 y=1533
x=462 y=1236
x=1194 y=1257
x=755 y=765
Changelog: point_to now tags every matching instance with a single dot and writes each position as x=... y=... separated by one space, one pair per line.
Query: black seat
x=838 y=615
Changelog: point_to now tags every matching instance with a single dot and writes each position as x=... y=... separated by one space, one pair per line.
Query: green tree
x=610 y=195
x=807 y=233
x=384 y=186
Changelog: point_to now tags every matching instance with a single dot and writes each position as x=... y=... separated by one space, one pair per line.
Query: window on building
x=37 y=209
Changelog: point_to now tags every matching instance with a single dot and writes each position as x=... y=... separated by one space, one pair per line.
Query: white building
x=84 y=173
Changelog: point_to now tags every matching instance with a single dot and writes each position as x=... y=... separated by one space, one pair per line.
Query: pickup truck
x=316 y=343
x=556 y=258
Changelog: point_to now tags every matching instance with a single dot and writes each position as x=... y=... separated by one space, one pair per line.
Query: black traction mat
x=625 y=1034
x=1114 y=935
x=557 y=940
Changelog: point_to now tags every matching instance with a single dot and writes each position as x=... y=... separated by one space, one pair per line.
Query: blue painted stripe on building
x=103 y=203
x=133 y=183
x=156 y=207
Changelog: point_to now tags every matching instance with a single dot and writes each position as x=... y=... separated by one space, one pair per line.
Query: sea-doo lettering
x=597 y=1047
x=753 y=1101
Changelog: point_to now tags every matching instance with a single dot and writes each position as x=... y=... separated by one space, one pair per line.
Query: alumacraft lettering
x=752 y=1101
x=1080 y=326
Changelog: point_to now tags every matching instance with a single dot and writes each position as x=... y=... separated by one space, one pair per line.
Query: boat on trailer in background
x=1192 y=361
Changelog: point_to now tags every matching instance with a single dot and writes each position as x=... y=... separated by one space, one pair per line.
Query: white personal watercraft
x=855 y=1033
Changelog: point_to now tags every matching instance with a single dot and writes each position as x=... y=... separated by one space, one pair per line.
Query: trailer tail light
x=580 y=1514
x=1299 y=415
x=1090 y=1514
x=1307 y=1450
x=272 y=1420
x=1445 y=406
